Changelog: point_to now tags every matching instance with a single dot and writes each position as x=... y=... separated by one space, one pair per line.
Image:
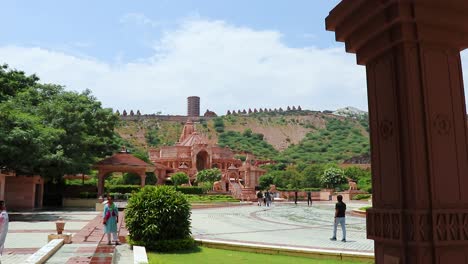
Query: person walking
x=268 y=198
x=295 y=197
x=340 y=211
x=259 y=198
x=4 y=221
x=110 y=219
x=309 y=198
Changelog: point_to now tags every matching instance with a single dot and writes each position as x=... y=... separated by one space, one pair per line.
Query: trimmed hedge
x=75 y=191
x=122 y=188
x=361 y=197
x=210 y=198
x=300 y=190
x=88 y=195
x=190 y=190
x=166 y=245
x=159 y=219
x=120 y=196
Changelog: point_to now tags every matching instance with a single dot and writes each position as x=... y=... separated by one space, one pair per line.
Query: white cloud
x=229 y=67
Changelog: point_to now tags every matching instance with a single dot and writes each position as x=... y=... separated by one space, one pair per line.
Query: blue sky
x=126 y=29
x=151 y=55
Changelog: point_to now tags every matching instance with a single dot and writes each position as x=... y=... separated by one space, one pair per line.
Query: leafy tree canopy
x=49 y=131
x=209 y=175
x=179 y=178
x=332 y=177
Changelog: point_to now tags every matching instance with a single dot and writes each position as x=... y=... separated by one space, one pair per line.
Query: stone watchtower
x=193 y=106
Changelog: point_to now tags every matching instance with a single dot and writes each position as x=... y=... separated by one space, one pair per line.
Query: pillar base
x=67 y=238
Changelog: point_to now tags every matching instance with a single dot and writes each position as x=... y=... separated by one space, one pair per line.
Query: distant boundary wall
x=175 y=118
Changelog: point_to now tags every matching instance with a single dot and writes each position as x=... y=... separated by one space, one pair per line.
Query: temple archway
x=202 y=160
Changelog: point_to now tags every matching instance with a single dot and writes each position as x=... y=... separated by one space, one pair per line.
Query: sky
x=150 y=55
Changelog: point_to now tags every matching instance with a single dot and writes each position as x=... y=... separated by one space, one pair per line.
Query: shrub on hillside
x=159 y=219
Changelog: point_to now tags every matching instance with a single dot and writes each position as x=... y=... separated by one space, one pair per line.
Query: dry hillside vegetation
x=306 y=136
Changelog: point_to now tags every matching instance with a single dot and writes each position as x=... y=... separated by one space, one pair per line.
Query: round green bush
x=159 y=219
x=179 y=178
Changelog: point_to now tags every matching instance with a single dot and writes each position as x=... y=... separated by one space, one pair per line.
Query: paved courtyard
x=281 y=225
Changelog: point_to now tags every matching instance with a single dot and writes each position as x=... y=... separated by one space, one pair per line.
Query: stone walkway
x=28 y=232
x=281 y=225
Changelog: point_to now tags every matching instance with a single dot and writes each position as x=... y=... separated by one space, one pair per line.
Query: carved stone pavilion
x=192 y=154
x=418 y=124
x=122 y=161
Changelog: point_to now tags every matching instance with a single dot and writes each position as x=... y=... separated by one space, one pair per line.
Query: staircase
x=240 y=192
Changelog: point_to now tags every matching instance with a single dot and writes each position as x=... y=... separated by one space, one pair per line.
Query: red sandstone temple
x=192 y=154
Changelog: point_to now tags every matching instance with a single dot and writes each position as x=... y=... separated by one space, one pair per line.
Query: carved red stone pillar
x=142 y=179
x=101 y=175
x=161 y=177
x=417 y=122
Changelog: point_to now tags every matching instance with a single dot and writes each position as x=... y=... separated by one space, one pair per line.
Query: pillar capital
x=369 y=28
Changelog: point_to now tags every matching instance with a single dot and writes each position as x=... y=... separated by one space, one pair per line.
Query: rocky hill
x=278 y=135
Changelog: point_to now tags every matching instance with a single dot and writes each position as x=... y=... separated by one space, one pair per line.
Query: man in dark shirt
x=340 y=210
x=309 y=198
x=260 y=198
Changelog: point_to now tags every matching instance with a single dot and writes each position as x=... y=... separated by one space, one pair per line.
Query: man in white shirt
x=3 y=225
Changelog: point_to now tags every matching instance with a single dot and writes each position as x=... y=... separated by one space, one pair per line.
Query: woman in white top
x=3 y=225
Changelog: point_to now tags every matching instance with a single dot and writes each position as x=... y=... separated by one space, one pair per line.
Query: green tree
x=131 y=178
x=265 y=181
x=49 y=131
x=247 y=132
x=354 y=173
x=25 y=142
x=152 y=138
x=218 y=124
x=312 y=174
x=89 y=131
x=13 y=82
x=209 y=175
x=332 y=177
x=179 y=178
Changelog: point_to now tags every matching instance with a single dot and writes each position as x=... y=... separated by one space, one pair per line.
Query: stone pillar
x=418 y=129
x=101 y=176
x=142 y=179
x=2 y=187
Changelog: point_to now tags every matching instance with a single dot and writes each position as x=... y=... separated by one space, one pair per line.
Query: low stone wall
x=326 y=195
x=348 y=195
x=80 y=203
x=20 y=192
x=301 y=195
x=176 y=118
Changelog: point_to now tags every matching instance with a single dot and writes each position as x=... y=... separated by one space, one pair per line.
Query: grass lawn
x=365 y=208
x=193 y=198
x=203 y=255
